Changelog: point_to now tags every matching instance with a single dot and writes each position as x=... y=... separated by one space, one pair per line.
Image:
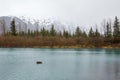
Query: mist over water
x=59 y=64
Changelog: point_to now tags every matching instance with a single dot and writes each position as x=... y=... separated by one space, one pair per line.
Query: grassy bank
x=53 y=42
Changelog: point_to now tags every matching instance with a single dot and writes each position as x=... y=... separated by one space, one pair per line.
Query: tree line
x=95 y=38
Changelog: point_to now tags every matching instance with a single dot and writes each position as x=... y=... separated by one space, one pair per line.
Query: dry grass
x=17 y=41
x=52 y=42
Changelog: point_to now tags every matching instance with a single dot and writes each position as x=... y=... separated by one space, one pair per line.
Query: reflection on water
x=59 y=64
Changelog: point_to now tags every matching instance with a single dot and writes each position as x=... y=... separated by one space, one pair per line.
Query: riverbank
x=53 y=42
x=69 y=47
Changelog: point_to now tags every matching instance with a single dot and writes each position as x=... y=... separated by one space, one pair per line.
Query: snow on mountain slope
x=6 y=20
x=24 y=24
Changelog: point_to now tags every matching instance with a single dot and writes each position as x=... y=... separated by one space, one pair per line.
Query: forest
x=110 y=38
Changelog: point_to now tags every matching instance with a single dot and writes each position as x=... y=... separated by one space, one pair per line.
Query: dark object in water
x=38 y=62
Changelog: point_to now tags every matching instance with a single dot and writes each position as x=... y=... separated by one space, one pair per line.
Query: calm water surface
x=59 y=64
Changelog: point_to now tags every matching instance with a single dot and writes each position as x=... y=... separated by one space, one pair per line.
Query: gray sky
x=79 y=12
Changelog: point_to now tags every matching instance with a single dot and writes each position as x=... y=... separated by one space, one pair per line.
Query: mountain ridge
x=25 y=24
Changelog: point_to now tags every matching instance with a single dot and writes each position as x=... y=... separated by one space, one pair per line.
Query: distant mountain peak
x=32 y=24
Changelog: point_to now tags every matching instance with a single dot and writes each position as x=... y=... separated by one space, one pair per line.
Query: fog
x=79 y=12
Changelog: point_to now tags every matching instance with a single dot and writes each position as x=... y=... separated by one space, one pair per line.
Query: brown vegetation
x=54 y=42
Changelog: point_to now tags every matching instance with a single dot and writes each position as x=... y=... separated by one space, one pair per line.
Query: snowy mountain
x=25 y=24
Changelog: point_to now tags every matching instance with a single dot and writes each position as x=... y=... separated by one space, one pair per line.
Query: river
x=59 y=64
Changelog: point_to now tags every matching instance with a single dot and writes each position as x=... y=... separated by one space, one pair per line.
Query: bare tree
x=3 y=26
x=36 y=26
x=25 y=28
x=19 y=25
x=103 y=30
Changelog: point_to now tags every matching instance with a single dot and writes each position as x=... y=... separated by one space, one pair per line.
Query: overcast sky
x=79 y=12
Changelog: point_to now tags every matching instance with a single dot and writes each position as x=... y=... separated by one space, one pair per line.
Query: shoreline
x=64 y=47
x=54 y=42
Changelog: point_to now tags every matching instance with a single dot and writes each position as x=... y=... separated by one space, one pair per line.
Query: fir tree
x=13 y=28
x=66 y=34
x=116 y=32
x=43 y=32
x=84 y=34
x=78 y=32
x=91 y=33
x=29 y=32
x=108 y=31
x=97 y=34
x=52 y=31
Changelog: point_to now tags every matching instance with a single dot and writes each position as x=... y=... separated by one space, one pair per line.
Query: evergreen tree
x=66 y=34
x=116 y=32
x=116 y=27
x=78 y=32
x=59 y=34
x=13 y=28
x=52 y=31
x=97 y=34
x=91 y=33
x=84 y=34
x=43 y=32
x=47 y=33
x=108 y=31
x=32 y=33
x=29 y=34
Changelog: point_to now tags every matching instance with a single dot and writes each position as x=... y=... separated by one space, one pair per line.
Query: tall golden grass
x=51 y=42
